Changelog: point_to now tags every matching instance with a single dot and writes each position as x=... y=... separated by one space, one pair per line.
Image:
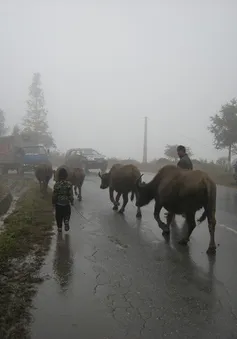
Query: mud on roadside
x=24 y=241
x=11 y=188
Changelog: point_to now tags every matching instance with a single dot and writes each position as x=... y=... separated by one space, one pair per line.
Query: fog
x=106 y=64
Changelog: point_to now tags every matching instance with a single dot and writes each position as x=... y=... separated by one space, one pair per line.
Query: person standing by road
x=184 y=161
x=62 y=199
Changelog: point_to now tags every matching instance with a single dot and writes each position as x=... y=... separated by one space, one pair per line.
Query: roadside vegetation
x=222 y=126
x=220 y=174
x=24 y=241
x=218 y=170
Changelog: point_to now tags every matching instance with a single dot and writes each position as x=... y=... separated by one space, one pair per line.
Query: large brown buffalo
x=43 y=173
x=76 y=176
x=181 y=192
x=121 y=179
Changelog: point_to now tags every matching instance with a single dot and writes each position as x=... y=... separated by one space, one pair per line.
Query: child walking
x=62 y=199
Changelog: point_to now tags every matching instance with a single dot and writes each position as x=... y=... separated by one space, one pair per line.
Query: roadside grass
x=218 y=174
x=23 y=244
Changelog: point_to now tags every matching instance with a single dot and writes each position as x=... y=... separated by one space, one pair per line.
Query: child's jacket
x=62 y=193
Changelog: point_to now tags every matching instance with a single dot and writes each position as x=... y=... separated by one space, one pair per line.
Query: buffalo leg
x=79 y=193
x=111 y=195
x=161 y=224
x=42 y=187
x=117 y=198
x=211 y=225
x=75 y=190
x=139 y=212
x=170 y=218
x=190 y=219
x=45 y=187
x=125 y=201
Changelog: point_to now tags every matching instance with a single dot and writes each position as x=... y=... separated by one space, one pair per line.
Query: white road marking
x=228 y=228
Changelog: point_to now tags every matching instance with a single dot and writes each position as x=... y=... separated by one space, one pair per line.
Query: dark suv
x=95 y=160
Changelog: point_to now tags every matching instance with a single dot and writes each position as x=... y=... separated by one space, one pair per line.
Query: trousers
x=62 y=214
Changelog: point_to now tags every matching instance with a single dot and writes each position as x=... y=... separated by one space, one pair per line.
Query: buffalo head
x=104 y=180
x=144 y=193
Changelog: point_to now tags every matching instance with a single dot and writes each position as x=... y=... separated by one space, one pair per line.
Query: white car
x=95 y=160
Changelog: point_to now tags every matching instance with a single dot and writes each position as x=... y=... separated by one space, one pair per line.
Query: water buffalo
x=77 y=179
x=121 y=179
x=181 y=192
x=43 y=173
x=76 y=176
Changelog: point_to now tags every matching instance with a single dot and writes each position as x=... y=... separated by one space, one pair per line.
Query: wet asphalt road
x=113 y=277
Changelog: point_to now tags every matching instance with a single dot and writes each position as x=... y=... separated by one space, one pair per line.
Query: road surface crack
x=97 y=284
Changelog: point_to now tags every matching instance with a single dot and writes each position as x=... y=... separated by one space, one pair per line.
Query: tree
x=224 y=128
x=3 y=128
x=35 y=121
x=222 y=161
x=16 y=130
x=171 y=152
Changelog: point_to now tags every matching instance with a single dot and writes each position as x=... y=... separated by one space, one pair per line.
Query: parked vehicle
x=95 y=160
x=86 y=158
x=74 y=159
x=35 y=155
x=11 y=155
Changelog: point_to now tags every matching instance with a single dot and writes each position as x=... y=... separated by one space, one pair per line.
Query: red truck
x=11 y=154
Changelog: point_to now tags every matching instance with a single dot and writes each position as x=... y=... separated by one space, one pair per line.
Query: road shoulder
x=23 y=243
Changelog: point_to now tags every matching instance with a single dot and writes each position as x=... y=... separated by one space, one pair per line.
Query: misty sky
x=107 y=64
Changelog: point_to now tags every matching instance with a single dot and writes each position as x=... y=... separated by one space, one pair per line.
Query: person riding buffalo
x=184 y=161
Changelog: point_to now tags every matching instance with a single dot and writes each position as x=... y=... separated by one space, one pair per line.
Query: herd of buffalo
x=179 y=191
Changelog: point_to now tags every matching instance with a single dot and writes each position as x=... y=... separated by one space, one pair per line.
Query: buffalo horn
x=138 y=182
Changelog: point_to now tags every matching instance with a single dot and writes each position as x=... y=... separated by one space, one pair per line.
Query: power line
x=145 y=142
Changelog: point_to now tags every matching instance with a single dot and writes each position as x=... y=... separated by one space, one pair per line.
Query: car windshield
x=34 y=150
x=89 y=151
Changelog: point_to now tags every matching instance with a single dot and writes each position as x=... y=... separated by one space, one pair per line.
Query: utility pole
x=145 y=142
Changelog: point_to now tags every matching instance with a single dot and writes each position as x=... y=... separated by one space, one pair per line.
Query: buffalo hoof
x=121 y=211
x=166 y=234
x=183 y=242
x=115 y=208
x=79 y=198
x=138 y=215
x=211 y=250
x=166 y=230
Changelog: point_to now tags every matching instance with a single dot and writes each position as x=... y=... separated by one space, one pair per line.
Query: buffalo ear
x=99 y=174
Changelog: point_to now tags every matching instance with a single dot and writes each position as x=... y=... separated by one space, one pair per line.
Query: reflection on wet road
x=63 y=261
x=115 y=277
